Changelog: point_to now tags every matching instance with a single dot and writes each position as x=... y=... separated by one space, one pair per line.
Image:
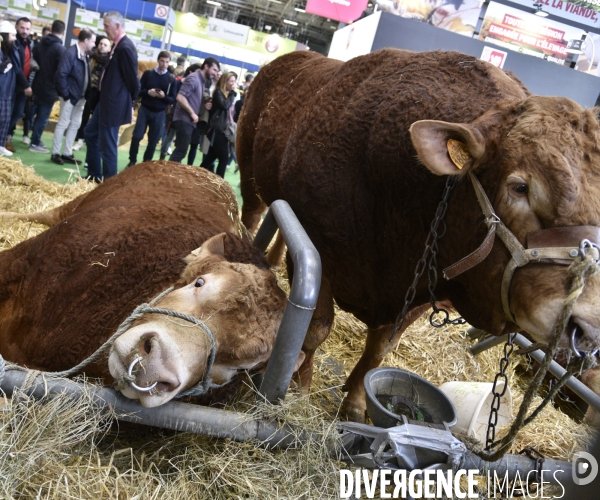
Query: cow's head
x=241 y=304
x=539 y=163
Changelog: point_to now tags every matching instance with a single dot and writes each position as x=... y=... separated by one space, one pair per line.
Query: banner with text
x=527 y=33
x=582 y=11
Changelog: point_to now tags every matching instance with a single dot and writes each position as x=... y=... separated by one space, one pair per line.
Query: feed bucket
x=473 y=401
x=392 y=392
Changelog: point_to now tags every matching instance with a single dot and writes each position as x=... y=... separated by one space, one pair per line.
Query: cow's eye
x=199 y=283
x=521 y=188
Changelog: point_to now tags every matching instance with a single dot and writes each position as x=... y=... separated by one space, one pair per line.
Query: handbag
x=231 y=131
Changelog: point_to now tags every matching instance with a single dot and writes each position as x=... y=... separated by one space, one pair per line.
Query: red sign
x=345 y=11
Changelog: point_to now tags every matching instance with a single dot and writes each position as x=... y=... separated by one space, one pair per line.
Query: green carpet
x=68 y=172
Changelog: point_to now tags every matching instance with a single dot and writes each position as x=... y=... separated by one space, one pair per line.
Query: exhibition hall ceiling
x=269 y=16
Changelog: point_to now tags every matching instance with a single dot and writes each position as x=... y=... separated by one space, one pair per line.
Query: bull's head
x=240 y=304
x=539 y=163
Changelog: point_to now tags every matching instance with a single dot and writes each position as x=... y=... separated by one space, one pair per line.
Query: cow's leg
x=252 y=207
x=318 y=331
x=276 y=252
x=377 y=346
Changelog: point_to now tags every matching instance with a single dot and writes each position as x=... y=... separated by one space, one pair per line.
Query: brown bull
x=65 y=292
x=360 y=150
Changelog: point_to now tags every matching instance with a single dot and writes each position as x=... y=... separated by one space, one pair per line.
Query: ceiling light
x=298 y=9
x=293 y=23
x=268 y=28
x=275 y=1
x=538 y=10
x=333 y=27
x=211 y=2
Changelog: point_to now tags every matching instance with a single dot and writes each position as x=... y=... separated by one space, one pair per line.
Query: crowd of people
x=96 y=84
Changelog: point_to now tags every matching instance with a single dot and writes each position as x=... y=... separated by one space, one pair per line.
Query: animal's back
x=341 y=154
x=121 y=244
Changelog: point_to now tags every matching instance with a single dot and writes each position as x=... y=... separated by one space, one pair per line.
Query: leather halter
x=559 y=245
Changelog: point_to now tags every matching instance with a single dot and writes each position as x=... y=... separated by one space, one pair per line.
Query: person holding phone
x=157 y=91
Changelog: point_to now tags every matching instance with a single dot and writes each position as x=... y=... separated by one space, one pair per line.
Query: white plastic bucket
x=473 y=401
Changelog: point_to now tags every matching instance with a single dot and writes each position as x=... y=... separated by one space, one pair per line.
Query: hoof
x=353 y=412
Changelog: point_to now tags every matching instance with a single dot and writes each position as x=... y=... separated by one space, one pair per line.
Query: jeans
x=101 y=156
x=167 y=139
x=153 y=120
x=17 y=111
x=218 y=150
x=69 y=120
x=183 y=131
x=41 y=119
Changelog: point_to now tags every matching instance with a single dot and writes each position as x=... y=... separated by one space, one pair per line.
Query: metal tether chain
x=500 y=376
x=429 y=260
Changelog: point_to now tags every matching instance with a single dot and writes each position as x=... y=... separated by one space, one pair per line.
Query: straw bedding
x=67 y=449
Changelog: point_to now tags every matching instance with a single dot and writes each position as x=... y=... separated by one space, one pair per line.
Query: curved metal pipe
x=174 y=415
x=302 y=300
x=578 y=387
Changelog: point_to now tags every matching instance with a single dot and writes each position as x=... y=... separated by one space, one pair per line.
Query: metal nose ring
x=576 y=351
x=137 y=387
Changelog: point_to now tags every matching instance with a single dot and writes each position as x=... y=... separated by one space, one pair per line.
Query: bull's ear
x=447 y=148
x=212 y=246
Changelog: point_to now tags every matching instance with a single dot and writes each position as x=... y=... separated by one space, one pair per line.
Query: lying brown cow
x=360 y=150
x=64 y=292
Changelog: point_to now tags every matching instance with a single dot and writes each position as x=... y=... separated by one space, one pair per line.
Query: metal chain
x=500 y=376
x=429 y=261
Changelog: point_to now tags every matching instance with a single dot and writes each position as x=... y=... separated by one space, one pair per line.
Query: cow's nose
x=144 y=347
x=151 y=370
x=582 y=337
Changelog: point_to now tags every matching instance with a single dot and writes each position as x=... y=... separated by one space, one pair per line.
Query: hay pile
x=21 y=190
x=66 y=450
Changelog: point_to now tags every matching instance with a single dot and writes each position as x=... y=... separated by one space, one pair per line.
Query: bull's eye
x=521 y=188
x=199 y=283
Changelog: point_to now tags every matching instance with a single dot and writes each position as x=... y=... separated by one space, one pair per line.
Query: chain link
x=500 y=377
x=429 y=261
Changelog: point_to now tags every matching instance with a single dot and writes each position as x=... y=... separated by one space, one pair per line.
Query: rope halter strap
x=201 y=387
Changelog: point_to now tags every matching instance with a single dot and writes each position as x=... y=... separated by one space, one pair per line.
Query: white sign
x=161 y=11
x=356 y=39
x=225 y=30
x=494 y=56
x=50 y=13
x=587 y=13
x=134 y=29
x=87 y=18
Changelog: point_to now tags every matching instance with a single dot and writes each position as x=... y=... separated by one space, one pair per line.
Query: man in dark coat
x=47 y=53
x=119 y=87
x=72 y=83
x=24 y=46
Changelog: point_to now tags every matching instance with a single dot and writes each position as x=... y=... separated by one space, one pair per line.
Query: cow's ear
x=447 y=148
x=212 y=246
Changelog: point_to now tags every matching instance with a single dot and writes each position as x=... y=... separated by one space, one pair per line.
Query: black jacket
x=20 y=44
x=47 y=54
x=220 y=109
x=120 y=86
x=70 y=76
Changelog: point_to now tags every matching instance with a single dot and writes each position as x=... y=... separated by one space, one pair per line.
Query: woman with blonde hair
x=221 y=116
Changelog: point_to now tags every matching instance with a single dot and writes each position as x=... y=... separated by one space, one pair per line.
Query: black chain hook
x=500 y=376
x=429 y=261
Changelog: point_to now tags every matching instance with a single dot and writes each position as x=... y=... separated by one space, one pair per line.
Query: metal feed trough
x=361 y=443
